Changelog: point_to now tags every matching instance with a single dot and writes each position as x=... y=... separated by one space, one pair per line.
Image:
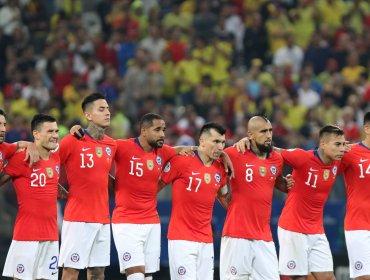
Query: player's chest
x=43 y=176
x=318 y=177
x=202 y=181
x=360 y=166
x=97 y=156
x=256 y=172
x=143 y=164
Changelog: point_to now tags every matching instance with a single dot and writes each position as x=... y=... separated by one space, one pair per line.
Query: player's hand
x=243 y=144
x=32 y=154
x=289 y=182
x=62 y=192
x=228 y=165
x=187 y=151
x=77 y=131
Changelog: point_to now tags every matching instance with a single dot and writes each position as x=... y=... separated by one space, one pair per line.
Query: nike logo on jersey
x=36 y=169
x=85 y=149
x=195 y=173
x=135 y=158
x=313 y=170
x=53 y=273
x=247 y=165
x=363 y=160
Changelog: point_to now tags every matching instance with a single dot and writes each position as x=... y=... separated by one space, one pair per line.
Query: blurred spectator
x=349 y=126
x=204 y=21
x=10 y=17
x=154 y=43
x=307 y=96
x=327 y=112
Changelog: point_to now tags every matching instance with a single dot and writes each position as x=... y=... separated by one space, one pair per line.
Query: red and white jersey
x=194 y=190
x=356 y=170
x=249 y=212
x=36 y=188
x=304 y=206
x=87 y=163
x=136 y=187
x=6 y=151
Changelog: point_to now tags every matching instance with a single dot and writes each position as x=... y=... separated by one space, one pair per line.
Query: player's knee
x=95 y=273
x=364 y=277
x=135 y=269
x=70 y=273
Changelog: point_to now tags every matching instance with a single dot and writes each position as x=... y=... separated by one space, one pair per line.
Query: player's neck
x=95 y=131
x=366 y=142
x=207 y=161
x=257 y=152
x=323 y=157
x=145 y=145
x=44 y=153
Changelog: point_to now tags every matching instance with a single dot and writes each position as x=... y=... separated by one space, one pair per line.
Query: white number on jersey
x=38 y=180
x=136 y=168
x=191 y=182
x=314 y=180
x=87 y=160
x=249 y=175
x=362 y=174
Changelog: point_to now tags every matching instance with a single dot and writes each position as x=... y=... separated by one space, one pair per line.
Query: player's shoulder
x=109 y=141
x=125 y=142
x=275 y=157
x=18 y=157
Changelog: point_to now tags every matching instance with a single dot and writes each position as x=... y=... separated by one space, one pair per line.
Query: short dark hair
x=39 y=119
x=212 y=125
x=90 y=99
x=330 y=129
x=367 y=118
x=2 y=113
x=147 y=119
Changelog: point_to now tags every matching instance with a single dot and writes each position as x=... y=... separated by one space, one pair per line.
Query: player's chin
x=339 y=157
x=160 y=143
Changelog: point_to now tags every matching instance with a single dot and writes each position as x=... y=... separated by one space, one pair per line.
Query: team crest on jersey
x=181 y=270
x=158 y=160
x=218 y=177
x=358 y=265
x=233 y=270
x=273 y=170
x=50 y=172
x=57 y=169
x=207 y=178
x=326 y=174
x=167 y=168
x=99 y=152
x=334 y=170
x=108 y=151
x=150 y=164
x=20 y=268
x=1 y=156
x=263 y=171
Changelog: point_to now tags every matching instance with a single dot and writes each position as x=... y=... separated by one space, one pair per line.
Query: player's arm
x=77 y=131
x=224 y=197
x=62 y=192
x=284 y=184
x=161 y=185
x=4 y=177
x=32 y=154
x=185 y=150
x=111 y=182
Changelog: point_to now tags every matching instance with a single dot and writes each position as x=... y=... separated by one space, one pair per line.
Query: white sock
x=148 y=277
x=136 y=276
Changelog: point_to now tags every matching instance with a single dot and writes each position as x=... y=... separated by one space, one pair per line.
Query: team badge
x=126 y=256
x=334 y=170
x=263 y=171
x=158 y=160
x=291 y=264
x=218 y=178
x=108 y=151
x=207 y=178
x=358 y=265
x=233 y=270
x=57 y=169
x=181 y=270
x=50 y=172
x=167 y=168
x=1 y=156
x=150 y=164
x=273 y=170
x=75 y=257
x=20 y=268
x=99 y=152
x=326 y=174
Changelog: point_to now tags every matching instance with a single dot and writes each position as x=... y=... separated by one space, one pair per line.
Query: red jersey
x=356 y=168
x=36 y=190
x=252 y=189
x=304 y=206
x=136 y=187
x=194 y=190
x=6 y=151
x=87 y=163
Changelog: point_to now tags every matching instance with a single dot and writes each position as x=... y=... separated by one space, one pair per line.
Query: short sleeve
x=167 y=152
x=65 y=148
x=10 y=149
x=171 y=170
x=16 y=165
x=294 y=157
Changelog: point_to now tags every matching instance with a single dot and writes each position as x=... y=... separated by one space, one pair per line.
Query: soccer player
x=356 y=171
x=33 y=253
x=86 y=224
x=304 y=247
x=196 y=183
x=7 y=150
x=247 y=248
